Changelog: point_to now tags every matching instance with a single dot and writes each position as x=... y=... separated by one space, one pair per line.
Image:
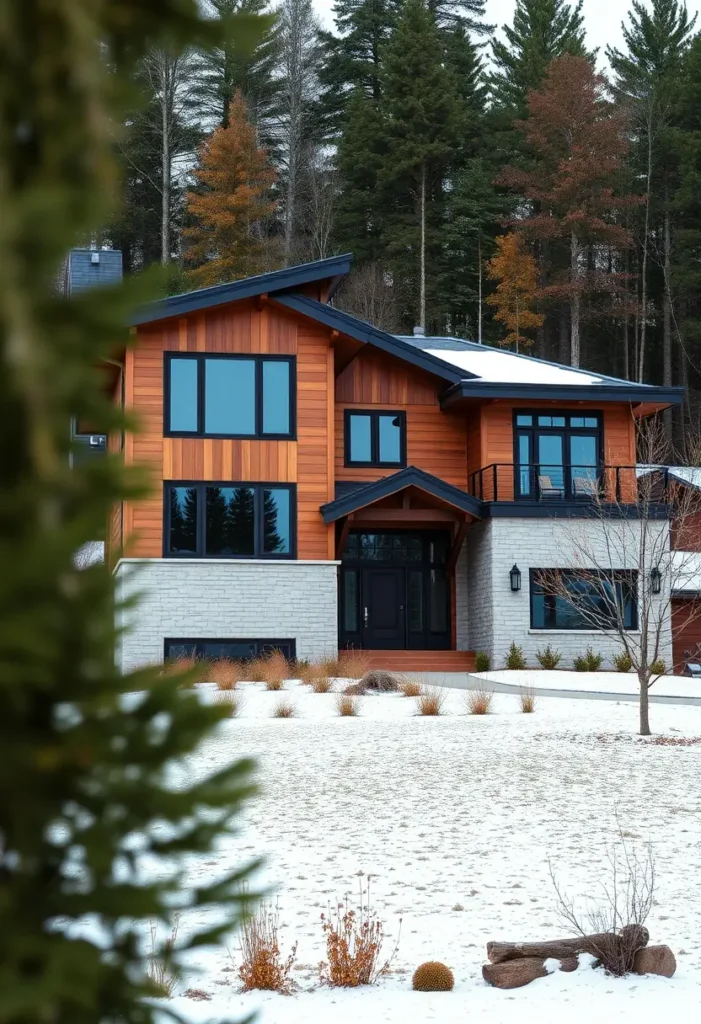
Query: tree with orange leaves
x=226 y=240
x=516 y=273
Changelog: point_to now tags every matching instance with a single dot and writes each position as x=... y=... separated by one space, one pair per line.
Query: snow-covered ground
x=595 y=682
x=455 y=818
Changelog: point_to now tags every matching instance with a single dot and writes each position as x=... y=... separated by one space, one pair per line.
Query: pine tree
x=422 y=117
x=226 y=239
x=87 y=772
x=515 y=272
x=361 y=156
x=453 y=14
x=542 y=30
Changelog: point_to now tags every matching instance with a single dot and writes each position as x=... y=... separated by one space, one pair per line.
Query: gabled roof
x=690 y=475
x=333 y=269
x=409 y=477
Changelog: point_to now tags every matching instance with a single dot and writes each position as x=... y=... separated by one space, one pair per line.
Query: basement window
x=239 y=650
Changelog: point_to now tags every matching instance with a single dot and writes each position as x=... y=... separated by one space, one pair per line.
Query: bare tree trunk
x=643 y=311
x=479 y=290
x=563 y=336
x=667 y=313
x=574 y=301
x=422 y=273
x=644 y=707
x=166 y=159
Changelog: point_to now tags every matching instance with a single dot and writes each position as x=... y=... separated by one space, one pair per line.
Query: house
x=317 y=482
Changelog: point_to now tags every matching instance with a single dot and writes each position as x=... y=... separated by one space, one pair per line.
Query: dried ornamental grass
x=306 y=671
x=231 y=699
x=161 y=970
x=410 y=688
x=431 y=702
x=353 y=664
x=479 y=702
x=179 y=667
x=527 y=700
x=262 y=964
x=255 y=669
x=347 y=705
x=226 y=673
x=331 y=667
x=275 y=670
x=284 y=709
x=353 y=945
x=322 y=684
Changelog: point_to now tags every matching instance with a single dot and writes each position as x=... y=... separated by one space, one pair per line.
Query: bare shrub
x=226 y=673
x=353 y=945
x=276 y=670
x=615 y=918
x=322 y=684
x=353 y=664
x=284 y=709
x=431 y=701
x=527 y=700
x=479 y=702
x=262 y=964
x=347 y=705
x=161 y=971
x=410 y=688
x=232 y=699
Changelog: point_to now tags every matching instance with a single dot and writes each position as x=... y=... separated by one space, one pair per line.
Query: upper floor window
x=557 y=454
x=375 y=438
x=227 y=520
x=229 y=396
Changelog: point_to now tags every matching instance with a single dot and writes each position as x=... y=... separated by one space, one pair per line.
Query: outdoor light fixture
x=656 y=580
x=515 y=577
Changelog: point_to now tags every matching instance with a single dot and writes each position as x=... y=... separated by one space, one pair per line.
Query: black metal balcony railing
x=504 y=481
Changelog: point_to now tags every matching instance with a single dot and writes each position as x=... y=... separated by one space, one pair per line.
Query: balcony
x=556 y=484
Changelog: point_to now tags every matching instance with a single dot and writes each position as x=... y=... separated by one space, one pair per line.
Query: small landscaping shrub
x=515 y=659
x=658 y=667
x=262 y=964
x=622 y=662
x=527 y=700
x=275 y=670
x=284 y=709
x=590 y=661
x=431 y=701
x=353 y=664
x=233 y=701
x=548 y=658
x=347 y=705
x=353 y=945
x=226 y=673
x=479 y=702
x=433 y=977
x=410 y=688
x=161 y=971
x=322 y=684
x=483 y=662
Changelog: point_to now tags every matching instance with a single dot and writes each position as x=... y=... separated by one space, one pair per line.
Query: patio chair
x=548 y=490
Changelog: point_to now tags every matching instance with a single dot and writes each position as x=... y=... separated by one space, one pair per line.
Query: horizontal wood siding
x=686 y=629
x=238 y=328
x=436 y=441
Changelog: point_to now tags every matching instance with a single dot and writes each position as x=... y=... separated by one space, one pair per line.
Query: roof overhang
x=661 y=397
x=332 y=270
x=431 y=485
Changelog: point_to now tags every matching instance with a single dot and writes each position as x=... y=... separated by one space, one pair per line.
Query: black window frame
x=259 y=359
x=567 y=431
x=616 y=576
x=263 y=645
x=259 y=532
x=375 y=461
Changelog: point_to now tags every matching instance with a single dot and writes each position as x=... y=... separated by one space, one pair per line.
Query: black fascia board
x=334 y=269
x=409 y=477
x=573 y=510
x=635 y=393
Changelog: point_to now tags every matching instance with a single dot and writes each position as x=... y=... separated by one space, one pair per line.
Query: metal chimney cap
x=419 y=331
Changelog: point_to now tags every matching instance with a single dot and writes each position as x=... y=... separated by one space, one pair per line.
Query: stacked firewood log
x=514 y=964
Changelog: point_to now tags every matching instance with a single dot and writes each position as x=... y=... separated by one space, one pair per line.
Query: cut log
x=499 y=952
x=655 y=960
x=517 y=973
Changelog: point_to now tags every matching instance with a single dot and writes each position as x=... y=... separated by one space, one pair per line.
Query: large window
x=586 y=599
x=204 y=520
x=375 y=438
x=238 y=650
x=229 y=396
x=557 y=455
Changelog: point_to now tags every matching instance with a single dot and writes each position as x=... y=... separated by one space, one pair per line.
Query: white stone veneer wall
x=498 y=616
x=227 y=599
x=462 y=617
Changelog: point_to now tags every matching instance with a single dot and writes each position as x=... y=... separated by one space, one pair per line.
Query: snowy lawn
x=596 y=682
x=455 y=819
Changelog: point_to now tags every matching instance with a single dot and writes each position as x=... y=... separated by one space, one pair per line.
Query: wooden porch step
x=422 y=661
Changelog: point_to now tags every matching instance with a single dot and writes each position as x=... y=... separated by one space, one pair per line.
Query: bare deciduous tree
x=368 y=293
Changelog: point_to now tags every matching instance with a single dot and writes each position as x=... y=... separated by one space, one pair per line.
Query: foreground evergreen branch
x=91 y=780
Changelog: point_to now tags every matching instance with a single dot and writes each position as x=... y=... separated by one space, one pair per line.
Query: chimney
x=90 y=267
x=419 y=331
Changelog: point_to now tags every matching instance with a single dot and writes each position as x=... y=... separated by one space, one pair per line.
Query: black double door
x=394 y=592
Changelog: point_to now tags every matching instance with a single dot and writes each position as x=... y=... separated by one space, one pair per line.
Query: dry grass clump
x=179 y=667
x=161 y=971
x=353 y=664
x=479 y=702
x=226 y=673
x=431 y=701
x=331 y=667
x=353 y=945
x=321 y=684
x=275 y=670
x=347 y=705
x=674 y=741
x=262 y=964
x=232 y=700
x=305 y=671
x=284 y=709
x=410 y=688
x=527 y=700
x=255 y=669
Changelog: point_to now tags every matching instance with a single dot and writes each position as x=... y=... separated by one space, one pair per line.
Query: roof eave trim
x=334 y=269
x=635 y=393
x=409 y=477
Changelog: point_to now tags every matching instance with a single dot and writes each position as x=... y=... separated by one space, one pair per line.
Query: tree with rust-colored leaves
x=515 y=272
x=578 y=143
x=227 y=238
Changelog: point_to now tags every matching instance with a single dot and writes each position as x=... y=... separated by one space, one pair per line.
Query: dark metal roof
x=626 y=391
x=333 y=269
x=409 y=477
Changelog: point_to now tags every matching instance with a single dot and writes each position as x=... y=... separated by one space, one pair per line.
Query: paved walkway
x=466 y=681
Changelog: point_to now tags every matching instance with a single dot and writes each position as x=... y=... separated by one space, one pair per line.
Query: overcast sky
x=603 y=17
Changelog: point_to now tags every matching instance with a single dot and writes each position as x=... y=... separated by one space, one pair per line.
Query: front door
x=383 y=597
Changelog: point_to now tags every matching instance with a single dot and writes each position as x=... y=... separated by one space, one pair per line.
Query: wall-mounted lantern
x=515 y=577
x=655 y=580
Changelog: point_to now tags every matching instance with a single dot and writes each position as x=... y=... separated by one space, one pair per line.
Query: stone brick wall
x=498 y=615
x=227 y=599
x=462 y=617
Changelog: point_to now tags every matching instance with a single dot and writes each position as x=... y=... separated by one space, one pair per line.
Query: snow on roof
x=496 y=365
x=685 y=474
